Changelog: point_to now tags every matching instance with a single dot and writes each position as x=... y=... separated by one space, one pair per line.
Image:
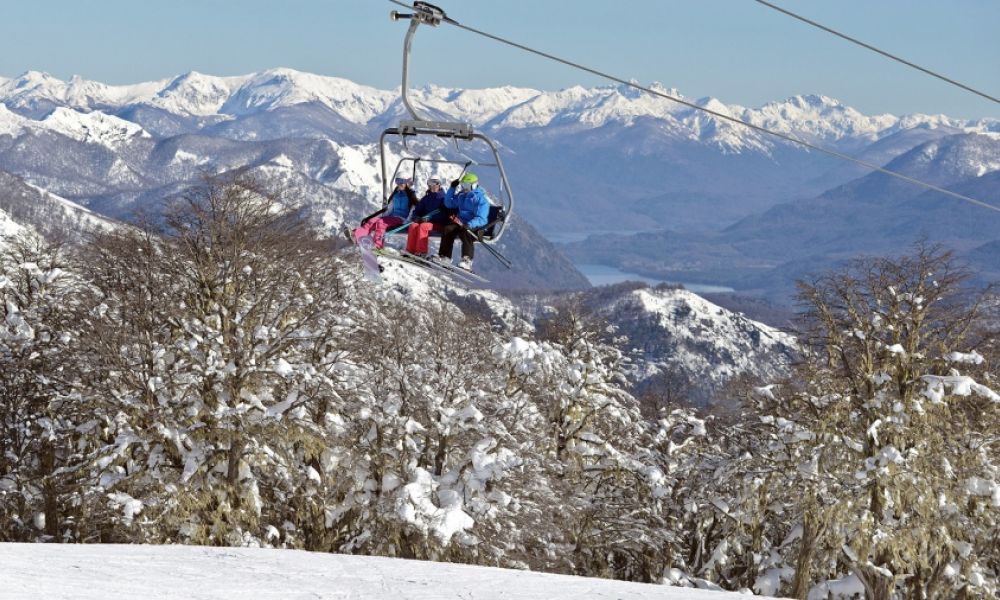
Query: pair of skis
x=366 y=248
x=373 y=270
x=455 y=272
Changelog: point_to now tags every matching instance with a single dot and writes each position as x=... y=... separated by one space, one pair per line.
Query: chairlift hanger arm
x=424 y=13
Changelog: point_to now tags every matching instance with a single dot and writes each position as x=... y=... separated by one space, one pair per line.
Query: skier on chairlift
x=429 y=215
x=403 y=199
x=473 y=212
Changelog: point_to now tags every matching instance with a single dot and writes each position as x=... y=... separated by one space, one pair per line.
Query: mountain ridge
x=874 y=214
x=580 y=159
x=199 y=94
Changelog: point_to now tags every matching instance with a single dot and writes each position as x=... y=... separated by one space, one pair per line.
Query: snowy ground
x=86 y=572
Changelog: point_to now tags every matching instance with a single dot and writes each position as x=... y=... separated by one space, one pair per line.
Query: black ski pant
x=448 y=235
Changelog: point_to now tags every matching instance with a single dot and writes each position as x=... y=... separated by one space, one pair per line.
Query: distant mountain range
x=581 y=160
x=875 y=214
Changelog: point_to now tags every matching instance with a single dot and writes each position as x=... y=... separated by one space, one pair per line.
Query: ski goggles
x=467 y=185
x=402 y=181
x=433 y=181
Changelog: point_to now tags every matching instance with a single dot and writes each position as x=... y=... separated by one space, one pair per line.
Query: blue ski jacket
x=473 y=207
x=400 y=203
x=433 y=201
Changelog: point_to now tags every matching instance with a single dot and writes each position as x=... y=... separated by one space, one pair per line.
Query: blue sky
x=735 y=50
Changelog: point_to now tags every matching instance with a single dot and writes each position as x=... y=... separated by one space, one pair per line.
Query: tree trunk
x=803 y=564
x=233 y=467
x=442 y=452
x=49 y=493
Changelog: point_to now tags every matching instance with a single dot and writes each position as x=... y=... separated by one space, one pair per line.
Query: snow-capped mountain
x=679 y=329
x=950 y=159
x=473 y=106
x=35 y=94
x=95 y=127
x=680 y=339
x=277 y=88
x=196 y=94
x=579 y=159
x=817 y=117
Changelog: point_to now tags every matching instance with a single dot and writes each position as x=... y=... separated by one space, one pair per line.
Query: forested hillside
x=225 y=377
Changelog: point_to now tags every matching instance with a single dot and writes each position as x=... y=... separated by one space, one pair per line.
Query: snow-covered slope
x=8 y=228
x=409 y=281
x=27 y=206
x=105 y=571
x=11 y=123
x=93 y=127
x=676 y=331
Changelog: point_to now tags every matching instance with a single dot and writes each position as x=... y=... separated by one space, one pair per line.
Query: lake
x=605 y=275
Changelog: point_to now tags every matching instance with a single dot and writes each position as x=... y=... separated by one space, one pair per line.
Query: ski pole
x=496 y=254
x=409 y=222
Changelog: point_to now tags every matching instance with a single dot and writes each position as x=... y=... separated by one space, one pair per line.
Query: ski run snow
x=111 y=572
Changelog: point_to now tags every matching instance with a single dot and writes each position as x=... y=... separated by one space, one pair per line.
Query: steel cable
x=878 y=50
x=786 y=137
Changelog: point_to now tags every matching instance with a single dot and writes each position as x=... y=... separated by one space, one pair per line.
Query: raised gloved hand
x=454 y=183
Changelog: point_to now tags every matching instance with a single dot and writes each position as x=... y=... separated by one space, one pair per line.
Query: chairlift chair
x=417 y=127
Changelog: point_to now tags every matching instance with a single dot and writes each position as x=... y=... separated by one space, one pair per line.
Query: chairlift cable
x=878 y=50
x=786 y=137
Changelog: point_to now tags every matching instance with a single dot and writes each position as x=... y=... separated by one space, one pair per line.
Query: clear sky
x=735 y=50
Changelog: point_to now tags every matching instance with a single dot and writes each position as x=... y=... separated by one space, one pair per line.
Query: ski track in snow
x=92 y=572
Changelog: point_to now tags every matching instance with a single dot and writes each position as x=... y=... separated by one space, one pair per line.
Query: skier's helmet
x=469 y=181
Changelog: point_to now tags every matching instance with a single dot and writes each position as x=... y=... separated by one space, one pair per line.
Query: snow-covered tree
x=410 y=413
x=45 y=439
x=882 y=450
x=607 y=480
x=217 y=332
